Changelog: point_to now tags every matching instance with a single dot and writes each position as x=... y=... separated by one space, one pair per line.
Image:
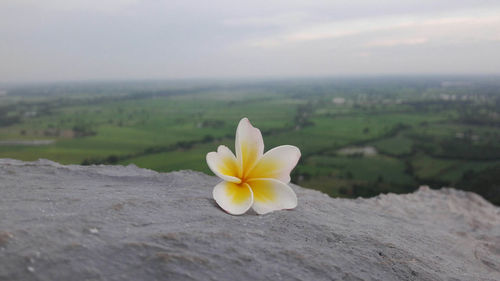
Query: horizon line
x=251 y=78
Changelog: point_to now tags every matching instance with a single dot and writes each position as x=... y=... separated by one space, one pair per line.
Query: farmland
x=358 y=137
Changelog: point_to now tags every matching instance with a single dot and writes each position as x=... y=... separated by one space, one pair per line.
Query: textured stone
x=125 y=223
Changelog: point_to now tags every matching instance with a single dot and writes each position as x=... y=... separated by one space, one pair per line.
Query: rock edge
x=71 y=222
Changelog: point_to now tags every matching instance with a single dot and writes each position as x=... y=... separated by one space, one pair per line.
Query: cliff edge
x=75 y=222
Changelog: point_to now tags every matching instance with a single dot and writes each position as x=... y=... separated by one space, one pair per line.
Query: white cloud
x=86 y=39
x=283 y=20
x=392 y=42
x=72 y=5
x=480 y=22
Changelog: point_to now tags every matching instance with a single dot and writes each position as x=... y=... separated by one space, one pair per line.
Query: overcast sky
x=161 y=39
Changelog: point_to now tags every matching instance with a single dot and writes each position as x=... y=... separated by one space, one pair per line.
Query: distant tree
x=380 y=179
x=207 y=139
x=82 y=129
x=486 y=183
x=344 y=191
x=112 y=159
x=306 y=175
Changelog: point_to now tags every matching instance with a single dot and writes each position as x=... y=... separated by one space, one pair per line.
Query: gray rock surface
x=125 y=223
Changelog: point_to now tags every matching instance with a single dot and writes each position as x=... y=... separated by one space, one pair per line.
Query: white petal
x=235 y=199
x=223 y=163
x=277 y=163
x=271 y=195
x=249 y=146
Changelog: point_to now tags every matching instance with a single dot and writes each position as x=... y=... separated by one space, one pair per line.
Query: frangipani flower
x=252 y=178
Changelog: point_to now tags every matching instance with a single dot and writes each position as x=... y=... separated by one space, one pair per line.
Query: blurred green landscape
x=358 y=136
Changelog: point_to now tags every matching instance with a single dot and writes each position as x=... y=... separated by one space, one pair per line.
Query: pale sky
x=54 y=40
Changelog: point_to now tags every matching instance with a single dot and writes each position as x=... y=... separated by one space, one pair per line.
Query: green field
x=417 y=137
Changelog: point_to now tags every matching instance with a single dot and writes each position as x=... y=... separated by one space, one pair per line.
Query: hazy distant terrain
x=358 y=137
